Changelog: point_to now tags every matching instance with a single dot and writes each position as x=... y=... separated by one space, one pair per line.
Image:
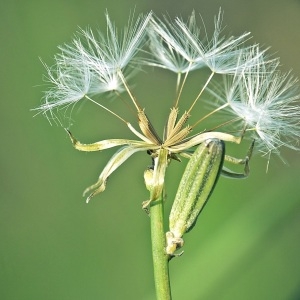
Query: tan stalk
x=204 y=87
x=138 y=108
x=182 y=85
x=211 y=113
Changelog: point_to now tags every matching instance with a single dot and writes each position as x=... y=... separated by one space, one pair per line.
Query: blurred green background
x=246 y=243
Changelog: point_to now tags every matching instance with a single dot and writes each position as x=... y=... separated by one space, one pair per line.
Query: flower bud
x=197 y=183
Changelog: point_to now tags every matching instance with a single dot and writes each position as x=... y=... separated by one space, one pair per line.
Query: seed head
x=261 y=101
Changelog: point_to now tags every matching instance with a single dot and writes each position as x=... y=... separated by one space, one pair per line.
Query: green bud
x=196 y=185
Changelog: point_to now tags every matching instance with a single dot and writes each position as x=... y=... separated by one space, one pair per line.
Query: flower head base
x=261 y=100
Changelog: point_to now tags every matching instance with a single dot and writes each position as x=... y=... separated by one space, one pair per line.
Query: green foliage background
x=53 y=246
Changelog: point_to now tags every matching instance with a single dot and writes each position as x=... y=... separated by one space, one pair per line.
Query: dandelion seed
x=92 y=66
x=170 y=48
x=179 y=47
x=266 y=100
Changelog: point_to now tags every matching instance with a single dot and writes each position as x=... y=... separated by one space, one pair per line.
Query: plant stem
x=160 y=258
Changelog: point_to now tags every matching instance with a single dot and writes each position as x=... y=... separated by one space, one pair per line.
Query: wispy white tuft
x=267 y=102
x=92 y=64
x=182 y=47
x=170 y=48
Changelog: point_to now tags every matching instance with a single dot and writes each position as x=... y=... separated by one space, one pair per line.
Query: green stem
x=160 y=258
